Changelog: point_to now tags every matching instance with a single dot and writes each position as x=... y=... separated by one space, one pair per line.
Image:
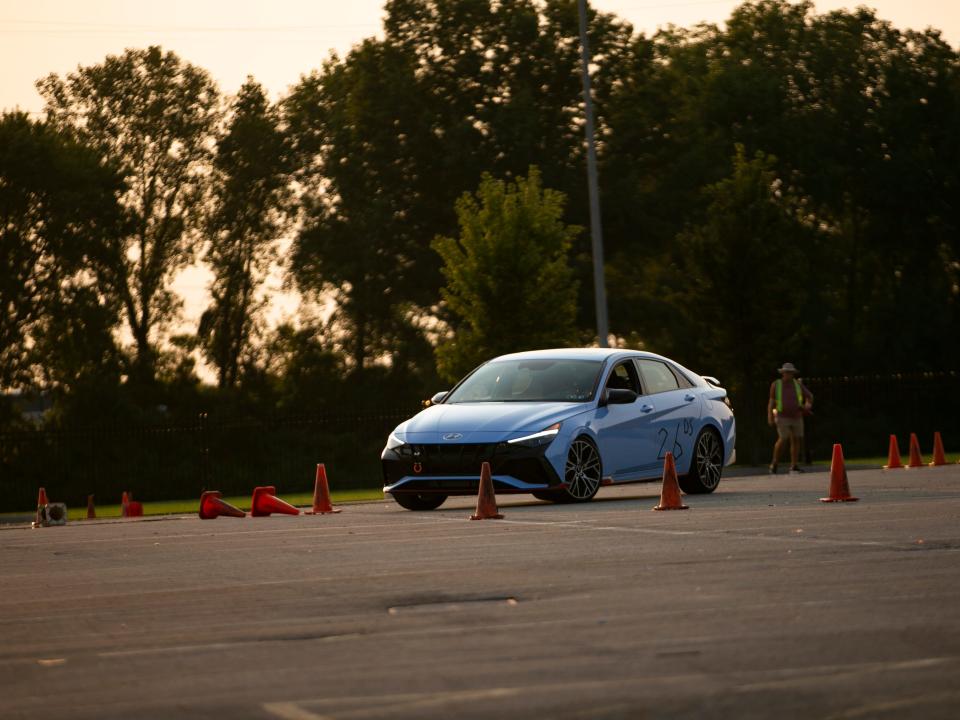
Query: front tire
x=419 y=501
x=582 y=475
x=706 y=466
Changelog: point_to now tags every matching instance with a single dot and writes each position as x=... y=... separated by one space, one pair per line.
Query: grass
x=179 y=507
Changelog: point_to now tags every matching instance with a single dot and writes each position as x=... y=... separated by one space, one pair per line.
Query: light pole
x=596 y=233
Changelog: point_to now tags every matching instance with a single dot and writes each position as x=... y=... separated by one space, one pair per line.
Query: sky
x=277 y=41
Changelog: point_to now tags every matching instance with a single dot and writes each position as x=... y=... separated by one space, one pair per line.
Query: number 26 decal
x=685 y=427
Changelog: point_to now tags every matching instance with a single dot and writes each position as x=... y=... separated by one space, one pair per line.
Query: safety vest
x=779 y=394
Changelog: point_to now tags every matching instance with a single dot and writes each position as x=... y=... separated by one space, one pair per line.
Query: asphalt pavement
x=758 y=602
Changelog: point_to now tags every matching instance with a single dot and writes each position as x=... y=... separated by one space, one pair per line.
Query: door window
x=657 y=377
x=624 y=377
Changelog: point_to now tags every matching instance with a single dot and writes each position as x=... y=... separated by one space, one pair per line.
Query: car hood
x=484 y=422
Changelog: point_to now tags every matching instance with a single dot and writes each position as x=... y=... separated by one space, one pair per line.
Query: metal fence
x=860 y=412
x=179 y=461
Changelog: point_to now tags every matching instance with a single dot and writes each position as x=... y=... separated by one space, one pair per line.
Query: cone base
x=487 y=517
x=936 y=464
x=833 y=500
x=915 y=467
x=671 y=507
x=321 y=512
x=893 y=467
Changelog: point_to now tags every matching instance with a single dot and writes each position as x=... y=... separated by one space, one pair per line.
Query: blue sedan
x=559 y=424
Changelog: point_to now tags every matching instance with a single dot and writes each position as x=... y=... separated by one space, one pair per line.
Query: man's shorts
x=789 y=426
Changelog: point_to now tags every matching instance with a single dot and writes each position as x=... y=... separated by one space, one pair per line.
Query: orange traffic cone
x=42 y=502
x=125 y=505
x=839 y=487
x=938 y=455
x=893 y=457
x=916 y=460
x=486 y=499
x=91 y=510
x=212 y=507
x=670 y=491
x=265 y=502
x=321 y=494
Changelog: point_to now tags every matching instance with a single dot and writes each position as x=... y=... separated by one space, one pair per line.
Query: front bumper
x=454 y=469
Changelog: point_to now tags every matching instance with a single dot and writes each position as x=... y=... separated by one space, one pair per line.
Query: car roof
x=590 y=353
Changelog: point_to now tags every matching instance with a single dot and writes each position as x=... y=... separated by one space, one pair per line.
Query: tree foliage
x=59 y=215
x=250 y=190
x=847 y=177
x=509 y=282
x=154 y=115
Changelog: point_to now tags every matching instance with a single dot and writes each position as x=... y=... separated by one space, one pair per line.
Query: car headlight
x=538 y=439
x=394 y=442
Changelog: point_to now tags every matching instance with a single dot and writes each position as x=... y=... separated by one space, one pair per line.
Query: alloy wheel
x=583 y=470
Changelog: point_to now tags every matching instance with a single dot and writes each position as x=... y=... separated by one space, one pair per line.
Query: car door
x=619 y=427
x=672 y=409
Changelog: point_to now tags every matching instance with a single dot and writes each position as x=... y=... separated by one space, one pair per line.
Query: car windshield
x=529 y=381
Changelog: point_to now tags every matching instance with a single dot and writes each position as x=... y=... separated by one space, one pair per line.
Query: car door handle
x=646 y=408
x=689 y=398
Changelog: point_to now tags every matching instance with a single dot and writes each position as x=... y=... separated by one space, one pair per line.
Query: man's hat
x=787 y=367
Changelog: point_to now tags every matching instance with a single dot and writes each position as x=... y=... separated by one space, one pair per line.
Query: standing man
x=789 y=401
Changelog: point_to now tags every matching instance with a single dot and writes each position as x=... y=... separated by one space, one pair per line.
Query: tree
x=154 y=115
x=509 y=282
x=59 y=217
x=393 y=133
x=742 y=281
x=251 y=186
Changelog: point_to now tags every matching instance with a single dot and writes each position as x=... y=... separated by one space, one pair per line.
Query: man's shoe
x=773 y=468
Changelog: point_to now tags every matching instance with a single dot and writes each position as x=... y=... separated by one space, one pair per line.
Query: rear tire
x=419 y=501
x=706 y=466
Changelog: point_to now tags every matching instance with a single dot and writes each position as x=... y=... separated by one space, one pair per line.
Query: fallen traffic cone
x=265 y=502
x=129 y=507
x=916 y=460
x=839 y=487
x=91 y=510
x=893 y=457
x=486 y=499
x=212 y=507
x=670 y=491
x=321 y=494
x=938 y=458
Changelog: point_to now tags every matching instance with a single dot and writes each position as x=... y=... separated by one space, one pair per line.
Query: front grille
x=452 y=459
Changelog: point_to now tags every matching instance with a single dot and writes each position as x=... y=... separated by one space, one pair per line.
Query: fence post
x=204 y=453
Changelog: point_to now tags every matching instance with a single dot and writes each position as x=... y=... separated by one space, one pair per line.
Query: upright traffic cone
x=670 y=490
x=265 y=502
x=893 y=457
x=938 y=455
x=486 y=499
x=42 y=502
x=839 y=487
x=321 y=494
x=91 y=510
x=125 y=504
x=916 y=460
x=212 y=507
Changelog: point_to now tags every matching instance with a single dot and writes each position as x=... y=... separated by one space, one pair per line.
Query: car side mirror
x=618 y=396
x=436 y=399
